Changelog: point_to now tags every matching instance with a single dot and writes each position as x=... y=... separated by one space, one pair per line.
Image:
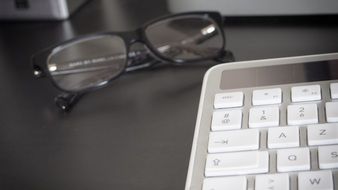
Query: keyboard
x=268 y=125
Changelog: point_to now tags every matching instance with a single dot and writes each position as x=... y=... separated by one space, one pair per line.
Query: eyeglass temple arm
x=66 y=101
x=226 y=56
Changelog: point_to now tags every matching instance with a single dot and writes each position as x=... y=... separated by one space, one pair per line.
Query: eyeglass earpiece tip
x=37 y=72
x=62 y=103
x=66 y=101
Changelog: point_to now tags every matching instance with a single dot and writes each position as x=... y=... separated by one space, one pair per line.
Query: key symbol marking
x=222 y=141
x=216 y=162
x=226 y=97
x=226 y=121
x=292 y=157
x=263 y=118
x=322 y=132
x=282 y=135
x=314 y=181
x=305 y=90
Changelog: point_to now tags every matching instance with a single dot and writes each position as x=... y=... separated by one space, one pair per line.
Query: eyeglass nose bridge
x=140 y=56
x=134 y=37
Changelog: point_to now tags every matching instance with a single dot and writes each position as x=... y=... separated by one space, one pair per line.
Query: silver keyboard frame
x=211 y=84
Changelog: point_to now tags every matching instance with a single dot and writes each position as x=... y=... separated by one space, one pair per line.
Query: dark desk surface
x=136 y=133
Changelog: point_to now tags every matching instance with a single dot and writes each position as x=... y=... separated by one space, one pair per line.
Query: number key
x=302 y=114
x=334 y=90
x=305 y=93
x=264 y=117
x=267 y=96
x=226 y=120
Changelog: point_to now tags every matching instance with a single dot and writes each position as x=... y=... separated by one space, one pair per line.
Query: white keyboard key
x=316 y=180
x=305 y=93
x=231 y=183
x=226 y=120
x=322 y=134
x=267 y=96
x=295 y=159
x=227 y=141
x=229 y=100
x=334 y=90
x=328 y=157
x=302 y=114
x=283 y=137
x=331 y=111
x=264 y=117
x=272 y=182
x=237 y=163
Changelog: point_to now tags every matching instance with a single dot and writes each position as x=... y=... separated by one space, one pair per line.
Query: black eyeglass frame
x=64 y=101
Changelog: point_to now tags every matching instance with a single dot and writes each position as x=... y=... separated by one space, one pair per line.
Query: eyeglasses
x=89 y=62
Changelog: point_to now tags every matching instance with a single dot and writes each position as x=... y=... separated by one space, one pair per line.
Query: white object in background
x=257 y=7
x=39 y=9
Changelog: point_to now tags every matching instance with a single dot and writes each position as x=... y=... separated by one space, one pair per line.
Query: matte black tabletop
x=136 y=134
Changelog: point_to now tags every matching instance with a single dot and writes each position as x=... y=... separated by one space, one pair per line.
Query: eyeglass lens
x=88 y=62
x=185 y=38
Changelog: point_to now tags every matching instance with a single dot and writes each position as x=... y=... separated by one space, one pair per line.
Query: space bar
x=237 y=163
